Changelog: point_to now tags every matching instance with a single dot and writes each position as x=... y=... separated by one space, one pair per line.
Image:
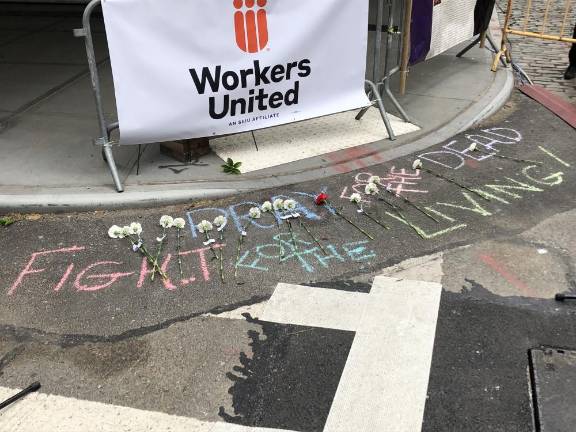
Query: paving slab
x=431 y=80
x=80 y=159
x=21 y=84
x=77 y=99
x=553 y=377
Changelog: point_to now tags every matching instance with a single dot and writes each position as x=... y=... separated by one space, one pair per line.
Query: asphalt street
x=80 y=313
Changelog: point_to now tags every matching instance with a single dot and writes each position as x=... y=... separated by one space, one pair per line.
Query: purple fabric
x=421 y=33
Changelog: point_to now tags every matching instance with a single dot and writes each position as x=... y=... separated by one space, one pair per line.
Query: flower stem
x=291 y=233
x=373 y=219
x=158 y=251
x=178 y=252
x=303 y=225
x=210 y=245
x=240 y=242
x=154 y=264
x=528 y=161
x=394 y=206
x=338 y=213
x=448 y=179
x=144 y=251
x=279 y=239
x=222 y=256
x=352 y=223
x=398 y=211
x=410 y=203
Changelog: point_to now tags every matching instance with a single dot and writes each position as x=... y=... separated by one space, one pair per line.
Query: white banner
x=195 y=68
x=452 y=24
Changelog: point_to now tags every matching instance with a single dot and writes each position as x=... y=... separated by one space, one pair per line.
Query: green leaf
x=231 y=167
x=5 y=221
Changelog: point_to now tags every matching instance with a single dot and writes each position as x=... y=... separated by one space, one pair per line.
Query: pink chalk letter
x=28 y=269
x=109 y=278
x=145 y=271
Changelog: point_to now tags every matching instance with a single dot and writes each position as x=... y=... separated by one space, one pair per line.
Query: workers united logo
x=251 y=25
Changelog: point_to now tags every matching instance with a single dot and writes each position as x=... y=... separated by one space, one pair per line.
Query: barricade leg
x=109 y=155
x=504 y=46
x=481 y=39
x=391 y=96
x=376 y=94
x=374 y=85
x=470 y=46
x=104 y=139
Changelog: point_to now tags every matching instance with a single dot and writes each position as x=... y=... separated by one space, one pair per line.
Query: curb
x=341 y=162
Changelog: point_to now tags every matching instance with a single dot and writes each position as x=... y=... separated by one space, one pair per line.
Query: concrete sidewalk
x=48 y=121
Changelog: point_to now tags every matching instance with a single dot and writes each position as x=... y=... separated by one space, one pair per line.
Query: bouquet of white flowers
x=133 y=233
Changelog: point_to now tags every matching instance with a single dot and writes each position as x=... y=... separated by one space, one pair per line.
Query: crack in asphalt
x=26 y=335
x=10 y=356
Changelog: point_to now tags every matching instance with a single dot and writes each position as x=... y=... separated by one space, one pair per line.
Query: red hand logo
x=251 y=27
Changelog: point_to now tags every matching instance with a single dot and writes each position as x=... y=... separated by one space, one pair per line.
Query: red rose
x=321 y=199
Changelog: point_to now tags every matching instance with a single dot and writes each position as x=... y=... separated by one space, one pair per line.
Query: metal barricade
x=394 y=59
x=377 y=86
x=529 y=26
x=105 y=127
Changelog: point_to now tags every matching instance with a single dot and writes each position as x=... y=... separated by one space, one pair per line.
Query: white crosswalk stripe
x=382 y=388
x=40 y=412
x=384 y=383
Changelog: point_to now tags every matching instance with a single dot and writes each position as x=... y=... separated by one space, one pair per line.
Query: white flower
x=417 y=164
x=266 y=207
x=115 y=232
x=179 y=223
x=278 y=204
x=356 y=198
x=126 y=231
x=255 y=213
x=220 y=221
x=374 y=179
x=289 y=205
x=371 y=189
x=472 y=147
x=166 y=221
x=205 y=226
x=135 y=228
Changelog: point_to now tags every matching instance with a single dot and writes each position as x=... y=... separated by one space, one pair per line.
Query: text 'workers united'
x=257 y=76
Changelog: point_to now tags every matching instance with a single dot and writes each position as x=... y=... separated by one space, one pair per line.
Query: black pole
x=31 y=388
x=561 y=297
